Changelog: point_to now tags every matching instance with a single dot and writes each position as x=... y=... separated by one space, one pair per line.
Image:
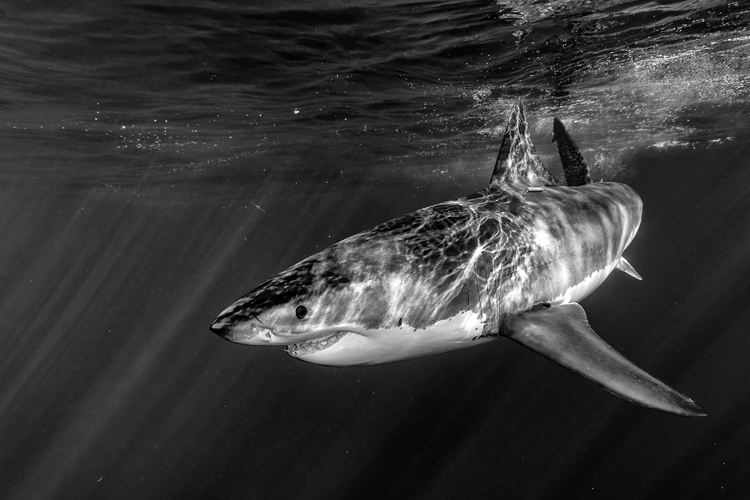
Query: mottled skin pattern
x=479 y=260
x=498 y=252
x=517 y=163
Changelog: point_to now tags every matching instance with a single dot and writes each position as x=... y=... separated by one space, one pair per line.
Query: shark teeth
x=313 y=345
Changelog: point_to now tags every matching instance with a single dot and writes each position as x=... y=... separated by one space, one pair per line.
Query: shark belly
x=398 y=343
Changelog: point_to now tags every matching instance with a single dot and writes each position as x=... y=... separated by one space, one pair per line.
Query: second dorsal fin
x=574 y=166
x=517 y=162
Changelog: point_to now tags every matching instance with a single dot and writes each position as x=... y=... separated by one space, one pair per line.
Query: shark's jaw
x=310 y=347
x=254 y=332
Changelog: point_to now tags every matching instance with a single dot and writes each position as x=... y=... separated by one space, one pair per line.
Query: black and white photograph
x=397 y=249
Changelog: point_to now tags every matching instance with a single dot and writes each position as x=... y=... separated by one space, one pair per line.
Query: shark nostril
x=222 y=325
x=218 y=327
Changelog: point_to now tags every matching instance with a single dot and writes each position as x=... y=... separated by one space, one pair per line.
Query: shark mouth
x=314 y=345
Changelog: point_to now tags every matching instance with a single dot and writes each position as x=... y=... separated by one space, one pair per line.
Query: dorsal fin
x=517 y=162
x=576 y=170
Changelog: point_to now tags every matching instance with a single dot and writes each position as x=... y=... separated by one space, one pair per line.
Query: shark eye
x=301 y=312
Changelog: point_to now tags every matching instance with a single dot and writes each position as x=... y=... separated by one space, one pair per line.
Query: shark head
x=353 y=304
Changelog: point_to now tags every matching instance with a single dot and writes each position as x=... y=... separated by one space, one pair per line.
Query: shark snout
x=224 y=322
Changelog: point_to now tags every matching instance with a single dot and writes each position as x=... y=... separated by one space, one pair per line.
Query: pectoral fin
x=562 y=334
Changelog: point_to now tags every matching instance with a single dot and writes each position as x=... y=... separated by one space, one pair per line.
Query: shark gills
x=512 y=260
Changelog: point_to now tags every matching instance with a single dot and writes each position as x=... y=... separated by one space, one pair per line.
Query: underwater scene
x=160 y=160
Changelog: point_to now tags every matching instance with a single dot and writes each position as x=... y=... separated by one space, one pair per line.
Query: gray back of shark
x=509 y=261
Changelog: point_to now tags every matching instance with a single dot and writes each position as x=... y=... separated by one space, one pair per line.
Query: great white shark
x=512 y=260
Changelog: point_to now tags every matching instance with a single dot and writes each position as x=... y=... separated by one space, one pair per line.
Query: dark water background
x=158 y=160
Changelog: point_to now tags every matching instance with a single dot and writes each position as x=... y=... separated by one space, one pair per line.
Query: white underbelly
x=399 y=343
